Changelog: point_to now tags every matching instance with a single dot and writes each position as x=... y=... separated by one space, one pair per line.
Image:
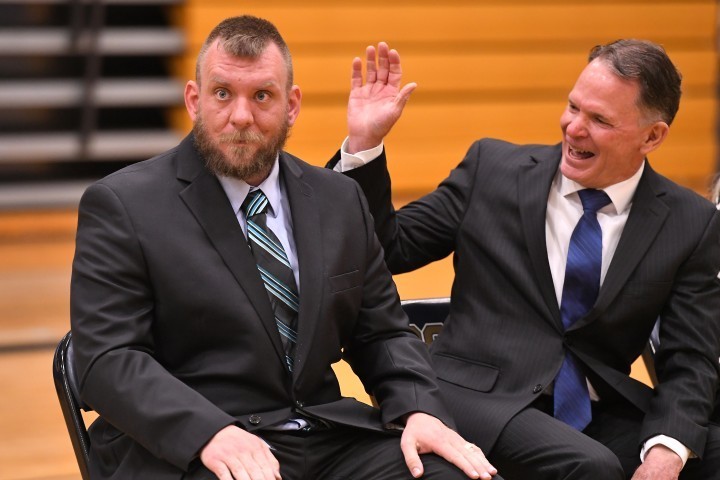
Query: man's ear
x=192 y=95
x=655 y=136
x=294 y=98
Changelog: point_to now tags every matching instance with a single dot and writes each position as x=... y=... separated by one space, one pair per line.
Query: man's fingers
x=394 y=68
x=412 y=458
x=404 y=94
x=235 y=454
x=468 y=457
x=241 y=474
x=383 y=70
x=370 y=64
x=479 y=463
x=222 y=472
x=356 y=77
x=463 y=459
x=252 y=467
x=273 y=463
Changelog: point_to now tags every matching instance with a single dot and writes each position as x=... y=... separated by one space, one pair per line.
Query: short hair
x=648 y=64
x=246 y=37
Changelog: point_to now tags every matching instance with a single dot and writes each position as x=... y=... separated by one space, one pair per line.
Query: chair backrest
x=426 y=316
x=66 y=386
x=648 y=354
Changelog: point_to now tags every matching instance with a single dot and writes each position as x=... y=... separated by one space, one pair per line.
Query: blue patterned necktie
x=275 y=271
x=580 y=290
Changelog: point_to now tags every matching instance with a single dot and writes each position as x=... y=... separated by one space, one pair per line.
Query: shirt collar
x=620 y=194
x=237 y=190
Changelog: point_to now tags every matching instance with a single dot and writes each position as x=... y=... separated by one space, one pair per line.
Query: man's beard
x=243 y=164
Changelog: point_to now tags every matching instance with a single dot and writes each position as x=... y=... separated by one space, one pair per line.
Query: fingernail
x=416 y=472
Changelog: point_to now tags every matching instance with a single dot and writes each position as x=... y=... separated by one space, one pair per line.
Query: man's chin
x=574 y=170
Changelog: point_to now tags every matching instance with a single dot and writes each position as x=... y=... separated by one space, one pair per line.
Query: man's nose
x=241 y=115
x=576 y=127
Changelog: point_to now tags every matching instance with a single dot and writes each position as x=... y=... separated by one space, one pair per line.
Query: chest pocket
x=345 y=281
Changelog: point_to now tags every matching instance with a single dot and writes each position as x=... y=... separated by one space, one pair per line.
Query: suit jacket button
x=538 y=388
x=254 y=419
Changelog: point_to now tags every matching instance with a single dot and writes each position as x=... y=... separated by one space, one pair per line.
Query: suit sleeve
x=422 y=231
x=687 y=360
x=112 y=320
x=390 y=360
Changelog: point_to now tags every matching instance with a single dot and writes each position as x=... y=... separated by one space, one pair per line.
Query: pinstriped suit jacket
x=503 y=342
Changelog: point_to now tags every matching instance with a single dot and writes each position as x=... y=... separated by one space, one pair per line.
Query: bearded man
x=214 y=286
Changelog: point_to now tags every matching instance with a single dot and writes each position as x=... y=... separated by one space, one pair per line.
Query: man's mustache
x=238 y=137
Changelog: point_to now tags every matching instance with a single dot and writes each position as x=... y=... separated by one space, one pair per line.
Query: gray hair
x=648 y=64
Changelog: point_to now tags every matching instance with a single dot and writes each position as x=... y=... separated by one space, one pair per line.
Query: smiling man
x=565 y=256
x=214 y=286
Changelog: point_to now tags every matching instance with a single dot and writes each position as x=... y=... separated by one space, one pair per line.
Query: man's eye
x=262 y=96
x=221 y=94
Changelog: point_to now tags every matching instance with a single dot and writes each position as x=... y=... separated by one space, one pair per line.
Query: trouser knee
x=599 y=463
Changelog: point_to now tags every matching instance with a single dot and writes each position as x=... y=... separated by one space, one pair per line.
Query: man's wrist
x=349 y=161
x=355 y=144
x=681 y=450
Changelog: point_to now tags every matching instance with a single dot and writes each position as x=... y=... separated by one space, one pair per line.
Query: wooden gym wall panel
x=484 y=68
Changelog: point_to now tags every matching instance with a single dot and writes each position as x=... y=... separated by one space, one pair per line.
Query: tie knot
x=255 y=203
x=593 y=200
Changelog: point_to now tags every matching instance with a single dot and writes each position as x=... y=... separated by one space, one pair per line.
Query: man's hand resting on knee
x=234 y=453
x=426 y=434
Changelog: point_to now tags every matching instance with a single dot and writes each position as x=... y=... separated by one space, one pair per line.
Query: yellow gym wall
x=484 y=68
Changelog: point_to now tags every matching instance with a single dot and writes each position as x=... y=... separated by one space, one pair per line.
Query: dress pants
x=343 y=453
x=536 y=445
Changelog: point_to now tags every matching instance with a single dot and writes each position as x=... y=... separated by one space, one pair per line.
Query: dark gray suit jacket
x=174 y=334
x=503 y=342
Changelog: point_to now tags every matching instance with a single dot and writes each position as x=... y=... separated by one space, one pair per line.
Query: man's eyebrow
x=268 y=83
x=219 y=80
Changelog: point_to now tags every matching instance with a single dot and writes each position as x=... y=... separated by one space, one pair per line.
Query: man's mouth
x=579 y=154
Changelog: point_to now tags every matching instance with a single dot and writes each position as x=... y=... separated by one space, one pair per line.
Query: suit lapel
x=206 y=199
x=534 y=181
x=647 y=215
x=307 y=229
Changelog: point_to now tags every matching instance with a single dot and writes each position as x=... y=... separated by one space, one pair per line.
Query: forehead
x=220 y=65
x=598 y=87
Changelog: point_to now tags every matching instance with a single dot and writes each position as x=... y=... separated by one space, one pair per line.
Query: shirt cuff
x=349 y=161
x=682 y=451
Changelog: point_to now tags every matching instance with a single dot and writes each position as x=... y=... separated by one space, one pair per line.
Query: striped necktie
x=580 y=290
x=275 y=271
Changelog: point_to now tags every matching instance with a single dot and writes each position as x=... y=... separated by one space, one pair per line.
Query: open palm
x=376 y=104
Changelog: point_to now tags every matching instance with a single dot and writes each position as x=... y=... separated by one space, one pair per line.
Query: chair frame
x=66 y=386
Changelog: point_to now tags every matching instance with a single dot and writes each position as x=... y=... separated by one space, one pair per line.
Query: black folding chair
x=66 y=386
x=426 y=316
x=648 y=354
